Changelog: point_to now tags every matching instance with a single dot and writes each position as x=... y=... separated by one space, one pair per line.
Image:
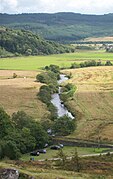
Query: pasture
x=99 y=39
x=63 y=60
x=93 y=102
x=19 y=94
x=68 y=150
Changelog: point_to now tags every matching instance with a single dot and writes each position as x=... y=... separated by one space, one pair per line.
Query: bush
x=108 y=63
x=75 y=65
x=68 y=91
x=47 y=77
x=53 y=68
x=14 y=75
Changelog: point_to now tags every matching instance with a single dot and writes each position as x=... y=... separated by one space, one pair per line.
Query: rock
x=25 y=176
x=8 y=173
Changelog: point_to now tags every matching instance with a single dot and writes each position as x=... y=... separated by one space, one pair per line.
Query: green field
x=63 y=60
x=68 y=150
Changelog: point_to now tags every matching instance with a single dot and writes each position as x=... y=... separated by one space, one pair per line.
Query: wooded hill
x=21 y=42
x=63 y=27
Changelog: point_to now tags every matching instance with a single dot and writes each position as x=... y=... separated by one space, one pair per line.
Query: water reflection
x=61 y=109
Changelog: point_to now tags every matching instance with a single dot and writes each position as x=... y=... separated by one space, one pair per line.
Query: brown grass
x=20 y=93
x=94 y=101
x=99 y=39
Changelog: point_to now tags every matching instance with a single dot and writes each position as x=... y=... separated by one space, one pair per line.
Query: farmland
x=63 y=60
x=20 y=93
x=99 y=39
x=93 y=102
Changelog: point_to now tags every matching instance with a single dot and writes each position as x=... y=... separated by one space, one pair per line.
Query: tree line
x=90 y=63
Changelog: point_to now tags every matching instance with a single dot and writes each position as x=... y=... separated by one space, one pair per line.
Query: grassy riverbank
x=93 y=103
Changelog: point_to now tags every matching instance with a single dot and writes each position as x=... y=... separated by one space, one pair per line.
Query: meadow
x=68 y=150
x=63 y=60
x=92 y=103
x=99 y=39
x=20 y=94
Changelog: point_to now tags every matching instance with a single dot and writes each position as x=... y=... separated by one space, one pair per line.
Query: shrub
x=67 y=91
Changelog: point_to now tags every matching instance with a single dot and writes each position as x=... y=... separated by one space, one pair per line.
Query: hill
x=63 y=27
x=93 y=102
x=21 y=42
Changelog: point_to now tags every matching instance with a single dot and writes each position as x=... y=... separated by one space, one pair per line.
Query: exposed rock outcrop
x=8 y=173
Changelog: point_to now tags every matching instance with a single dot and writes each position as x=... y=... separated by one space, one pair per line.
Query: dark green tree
x=64 y=125
x=10 y=150
x=5 y=123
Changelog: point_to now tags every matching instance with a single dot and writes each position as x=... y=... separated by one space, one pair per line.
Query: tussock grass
x=94 y=101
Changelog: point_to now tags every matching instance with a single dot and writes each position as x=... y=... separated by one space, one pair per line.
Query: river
x=56 y=101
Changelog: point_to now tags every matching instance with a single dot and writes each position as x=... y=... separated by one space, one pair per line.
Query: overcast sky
x=50 y=6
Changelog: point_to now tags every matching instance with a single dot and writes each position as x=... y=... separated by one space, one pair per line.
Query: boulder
x=8 y=173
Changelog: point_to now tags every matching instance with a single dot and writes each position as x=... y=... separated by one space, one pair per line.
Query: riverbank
x=58 y=103
x=92 y=103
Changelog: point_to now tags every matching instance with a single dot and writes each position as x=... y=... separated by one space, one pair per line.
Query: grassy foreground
x=39 y=172
x=63 y=60
x=68 y=150
x=91 y=168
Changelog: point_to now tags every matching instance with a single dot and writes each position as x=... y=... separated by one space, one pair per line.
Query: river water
x=56 y=101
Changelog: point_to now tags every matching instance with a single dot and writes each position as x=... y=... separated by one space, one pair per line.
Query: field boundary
x=81 y=143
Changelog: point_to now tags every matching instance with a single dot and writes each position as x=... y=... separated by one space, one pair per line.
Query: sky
x=52 y=6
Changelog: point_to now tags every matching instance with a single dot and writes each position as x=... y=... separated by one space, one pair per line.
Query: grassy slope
x=38 y=171
x=63 y=60
x=20 y=93
x=92 y=168
x=94 y=102
x=62 y=26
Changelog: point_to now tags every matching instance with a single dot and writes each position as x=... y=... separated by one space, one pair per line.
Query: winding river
x=56 y=101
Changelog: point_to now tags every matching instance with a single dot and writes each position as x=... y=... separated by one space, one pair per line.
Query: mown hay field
x=63 y=60
x=19 y=94
x=93 y=102
x=99 y=39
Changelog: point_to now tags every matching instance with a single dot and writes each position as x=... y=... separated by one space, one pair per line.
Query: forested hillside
x=21 y=42
x=63 y=27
